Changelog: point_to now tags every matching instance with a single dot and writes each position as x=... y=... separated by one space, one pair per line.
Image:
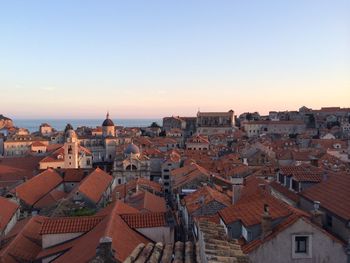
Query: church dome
x=107 y=121
x=132 y=148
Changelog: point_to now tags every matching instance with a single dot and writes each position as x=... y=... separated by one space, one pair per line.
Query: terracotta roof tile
x=249 y=210
x=303 y=173
x=95 y=184
x=192 y=201
x=50 y=199
x=143 y=220
x=25 y=246
x=124 y=240
x=37 y=187
x=7 y=209
x=146 y=201
x=149 y=184
x=15 y=169
x=333 y=194
x=69 y=224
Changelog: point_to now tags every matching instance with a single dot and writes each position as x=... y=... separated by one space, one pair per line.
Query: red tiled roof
x=50 y=199
x=73 y=175
x=38 y=144
x=15 y=169
x=119 y=207
x=69 y=224
x=143 y=220
x=303 y=173
x=36 y=188
x=149 y=184
x=25 y=246
x=186 y=174
x=249 y=210
x=123 y=189
x=146 y=201
x=95 y=184
x=124 y=240
x=198 y=139
x=53 y=147
x=208 y=195
x=7 y=209
x=333 y=194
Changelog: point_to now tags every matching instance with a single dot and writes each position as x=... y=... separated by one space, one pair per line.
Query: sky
x=149 y=59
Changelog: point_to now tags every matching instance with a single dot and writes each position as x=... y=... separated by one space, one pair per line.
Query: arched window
x=131 y=167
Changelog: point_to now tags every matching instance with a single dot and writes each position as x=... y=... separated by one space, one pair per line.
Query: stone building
x=70 y=155
x=187 y=125
x=132 y=164
x=215 y=122
x=256 y=128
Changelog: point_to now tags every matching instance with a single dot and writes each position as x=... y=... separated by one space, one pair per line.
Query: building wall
x=197 y=146
x=279 y=249
x=49 y=240
x=339 y=227
x=12 y=222
x=54 y=165
x=158 y=234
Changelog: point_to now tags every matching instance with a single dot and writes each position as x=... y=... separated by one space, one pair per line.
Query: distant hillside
x=5 y=122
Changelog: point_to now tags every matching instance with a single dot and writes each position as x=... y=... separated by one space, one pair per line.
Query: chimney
x=266 y=222
x=236 y=193
x=316 y=214
x=104 y=250
x=237 y=183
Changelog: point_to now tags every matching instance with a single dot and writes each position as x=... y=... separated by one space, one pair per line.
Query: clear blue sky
x=155 y=58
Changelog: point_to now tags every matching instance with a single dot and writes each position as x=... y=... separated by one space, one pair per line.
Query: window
x=329 y=220
x=302 y=246
x=295 y=185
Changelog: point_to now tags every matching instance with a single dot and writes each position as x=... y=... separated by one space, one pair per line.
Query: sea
x=59 y=124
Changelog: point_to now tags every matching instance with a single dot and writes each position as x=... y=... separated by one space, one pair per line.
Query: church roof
x=107 y=121
x=132 y=148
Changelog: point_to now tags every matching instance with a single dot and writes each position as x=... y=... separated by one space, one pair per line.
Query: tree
x=154 y=125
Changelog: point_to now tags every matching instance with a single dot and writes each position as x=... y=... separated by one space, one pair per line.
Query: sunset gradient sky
x=145 y=59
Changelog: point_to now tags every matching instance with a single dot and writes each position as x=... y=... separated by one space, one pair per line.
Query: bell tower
x=71 y=149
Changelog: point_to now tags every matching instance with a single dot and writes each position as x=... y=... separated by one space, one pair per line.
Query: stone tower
x=108 y=128
x=71 y=149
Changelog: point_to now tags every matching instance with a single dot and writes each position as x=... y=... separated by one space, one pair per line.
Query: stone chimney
x=316 y=214
x=266 y=222
x=236 y=193
x=237 y=184
x=104 y=251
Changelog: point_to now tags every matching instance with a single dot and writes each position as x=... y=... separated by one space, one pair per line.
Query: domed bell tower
x=108 y=127
x=71 y=149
